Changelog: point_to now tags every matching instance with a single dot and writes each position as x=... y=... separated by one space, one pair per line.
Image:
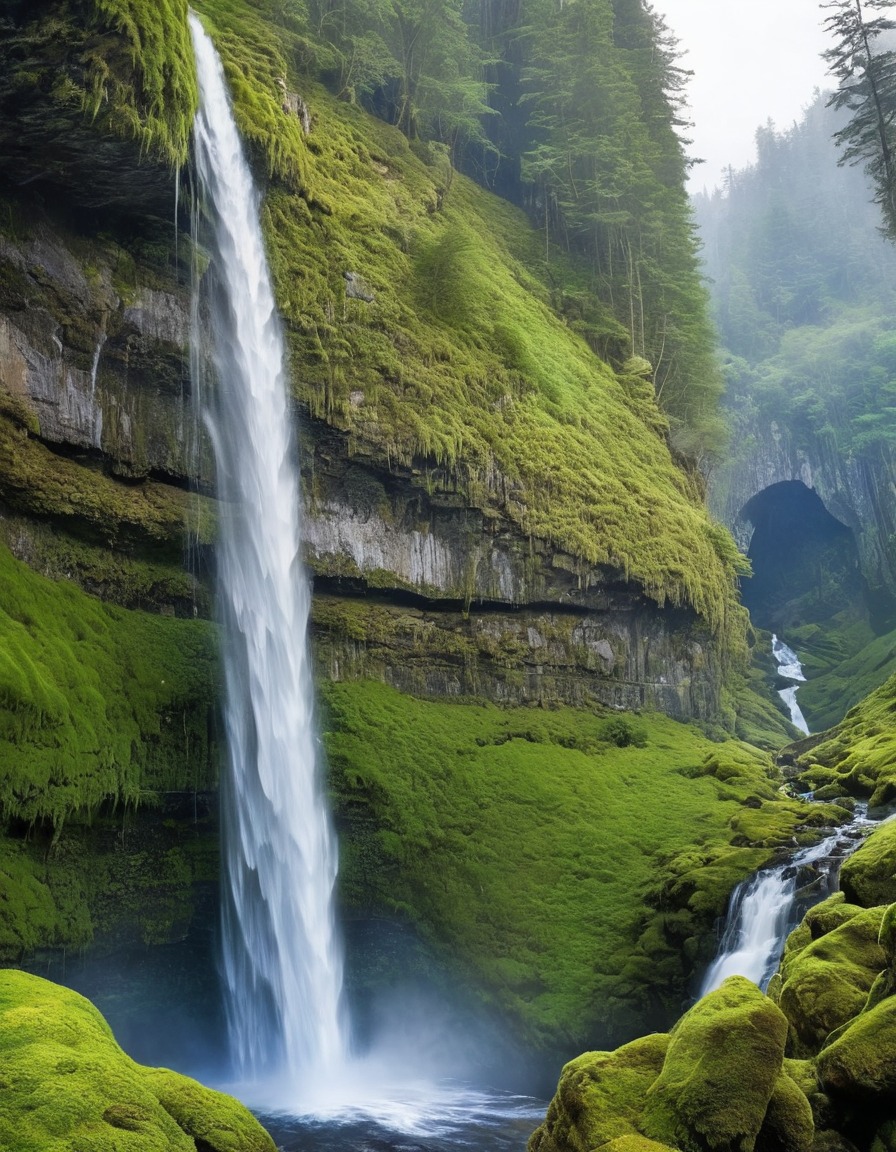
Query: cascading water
x=762 y=910
x=282 y=960
x=790 y=668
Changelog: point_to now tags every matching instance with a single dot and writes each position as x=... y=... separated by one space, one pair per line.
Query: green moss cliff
x=494 y=513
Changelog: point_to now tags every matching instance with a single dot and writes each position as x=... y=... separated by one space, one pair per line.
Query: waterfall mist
x=281 y=956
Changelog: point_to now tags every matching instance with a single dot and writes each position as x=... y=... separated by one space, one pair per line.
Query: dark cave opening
x=805 y=561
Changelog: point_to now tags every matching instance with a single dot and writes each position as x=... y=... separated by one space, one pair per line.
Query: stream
x=767 y=906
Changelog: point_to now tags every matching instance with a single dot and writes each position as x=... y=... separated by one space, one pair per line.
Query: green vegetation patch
x=66 y=1084
x=143 y=84
x=457 y=361
x=39 y=482
x=859 y=755
x=96 y=703
x=844 y=663
x=525 y=844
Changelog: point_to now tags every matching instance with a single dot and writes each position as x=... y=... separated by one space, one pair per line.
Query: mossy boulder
x=66 y=1084
x=721 y=1072
x=827 y=979
x=599 y=1099
x=861 y=1063
x=868 y=877
x=788 y=1125
x=634 y=1144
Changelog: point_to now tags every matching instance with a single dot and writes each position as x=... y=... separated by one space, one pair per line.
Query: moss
x=599 y=1098
x=40 y=483
x=67 y=1084
x=868 y=877
x=96 y=702
x=213 y=1120
x=120 y=880
x=506 y=836
x=498 y=397
x=861 y=1062
x=724 y=1061
x=634 y=1144
x=828 y=971
x=788 y=1125
x=860 y=753
x=256 y=50
x=844 y=662
x=148 y=92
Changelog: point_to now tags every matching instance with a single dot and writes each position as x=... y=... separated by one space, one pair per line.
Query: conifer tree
x=866 y=75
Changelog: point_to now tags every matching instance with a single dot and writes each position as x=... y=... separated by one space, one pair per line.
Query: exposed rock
x=357 y=288
x=294 y=105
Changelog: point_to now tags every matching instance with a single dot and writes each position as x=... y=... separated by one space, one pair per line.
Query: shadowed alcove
x=805 y=561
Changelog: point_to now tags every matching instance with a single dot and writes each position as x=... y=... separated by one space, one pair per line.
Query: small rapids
x=765 y=908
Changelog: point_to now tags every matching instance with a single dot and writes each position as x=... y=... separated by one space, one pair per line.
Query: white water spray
x=760 y=916
x=282 y=960
x=789 y=666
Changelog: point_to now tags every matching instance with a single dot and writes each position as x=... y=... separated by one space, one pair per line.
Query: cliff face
x=491 y=514
x=94 y=368
x=856 y=490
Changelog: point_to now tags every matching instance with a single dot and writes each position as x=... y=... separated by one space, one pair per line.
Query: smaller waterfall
x=94 y=371
x=763 y=909
x=789 y=667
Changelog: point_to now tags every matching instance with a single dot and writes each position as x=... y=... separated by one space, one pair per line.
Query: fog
x=751 y=62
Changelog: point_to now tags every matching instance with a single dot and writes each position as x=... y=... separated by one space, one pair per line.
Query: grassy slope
x=528 y=841
x=859 y=755
x=844 y=662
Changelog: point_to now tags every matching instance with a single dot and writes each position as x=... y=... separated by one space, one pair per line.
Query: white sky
x=752 y=59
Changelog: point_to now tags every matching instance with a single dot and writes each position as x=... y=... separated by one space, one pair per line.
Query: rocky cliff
x=493 y=514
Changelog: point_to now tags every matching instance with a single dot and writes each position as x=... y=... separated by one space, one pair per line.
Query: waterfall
x=763 y=909
x=282 y=960
x=789 y=667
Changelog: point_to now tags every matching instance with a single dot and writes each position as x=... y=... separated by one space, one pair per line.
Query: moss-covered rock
x=827 y=977
x=788 y=1125
x=66 y=1084
x=861 y=1063
x=599 y=1099
x=723 y=1064
x=868 y=877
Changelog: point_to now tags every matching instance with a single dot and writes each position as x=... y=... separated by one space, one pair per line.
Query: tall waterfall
x=282 y=959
